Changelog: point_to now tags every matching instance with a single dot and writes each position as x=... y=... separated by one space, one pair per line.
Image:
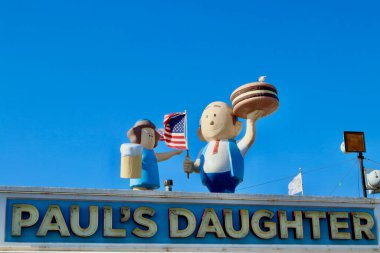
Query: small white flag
x=295 y=186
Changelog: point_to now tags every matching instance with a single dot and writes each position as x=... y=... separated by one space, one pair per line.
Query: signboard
x=154 y=218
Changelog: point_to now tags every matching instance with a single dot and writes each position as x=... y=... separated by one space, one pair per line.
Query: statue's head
x=144 y=133
x=218 y=122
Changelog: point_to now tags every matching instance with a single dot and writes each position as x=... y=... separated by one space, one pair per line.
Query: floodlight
x=354 y=141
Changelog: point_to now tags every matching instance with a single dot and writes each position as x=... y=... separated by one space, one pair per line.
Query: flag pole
x=301 y=180
x=187 y=142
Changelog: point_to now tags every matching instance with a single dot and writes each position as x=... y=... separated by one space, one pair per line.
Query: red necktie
x=216 y=148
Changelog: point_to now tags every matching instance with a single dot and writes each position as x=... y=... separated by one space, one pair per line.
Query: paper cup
x=131 y=160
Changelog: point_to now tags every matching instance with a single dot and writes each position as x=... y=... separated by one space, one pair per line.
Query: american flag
x=175 y=130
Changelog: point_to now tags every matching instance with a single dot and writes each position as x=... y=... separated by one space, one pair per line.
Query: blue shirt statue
x=144 y=133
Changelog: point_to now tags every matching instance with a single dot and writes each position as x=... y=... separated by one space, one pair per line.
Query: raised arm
x=167 y=155
x=250 y=134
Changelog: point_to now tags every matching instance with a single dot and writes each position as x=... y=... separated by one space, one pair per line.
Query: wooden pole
x=361 y=158
x=301 y=180
x=187 y=142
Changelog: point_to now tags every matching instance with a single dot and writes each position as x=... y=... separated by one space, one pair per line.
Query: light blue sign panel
x=161 y=218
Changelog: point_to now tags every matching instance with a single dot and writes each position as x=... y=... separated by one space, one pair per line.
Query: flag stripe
x=177 y=142
x=169 y=136
x=177 y=146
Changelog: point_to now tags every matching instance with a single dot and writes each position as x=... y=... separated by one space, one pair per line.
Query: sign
x=169 y=218
x=126 y=222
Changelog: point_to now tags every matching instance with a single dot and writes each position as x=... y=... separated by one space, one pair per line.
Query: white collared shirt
x=220 y=162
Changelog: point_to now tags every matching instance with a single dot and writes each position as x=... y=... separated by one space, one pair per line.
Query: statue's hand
x=188 y=165
x=255 y=115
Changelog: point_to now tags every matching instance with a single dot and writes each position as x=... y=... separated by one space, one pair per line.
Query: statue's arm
x=167 y=155
x=250 y=133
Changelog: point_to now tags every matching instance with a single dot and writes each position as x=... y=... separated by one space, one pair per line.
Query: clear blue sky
x=76 y=75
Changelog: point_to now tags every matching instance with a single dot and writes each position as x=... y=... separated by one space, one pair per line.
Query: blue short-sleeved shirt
x=149 y=175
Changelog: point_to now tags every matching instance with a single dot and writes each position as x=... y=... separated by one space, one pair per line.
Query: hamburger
x=254 y=96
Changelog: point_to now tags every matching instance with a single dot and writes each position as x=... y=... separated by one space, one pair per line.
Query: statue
x=221 y=162
x=138 y=159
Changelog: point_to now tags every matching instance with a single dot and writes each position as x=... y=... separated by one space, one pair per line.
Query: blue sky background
x=76 y=75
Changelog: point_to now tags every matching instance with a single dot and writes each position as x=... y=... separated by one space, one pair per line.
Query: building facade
x=81 y=220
